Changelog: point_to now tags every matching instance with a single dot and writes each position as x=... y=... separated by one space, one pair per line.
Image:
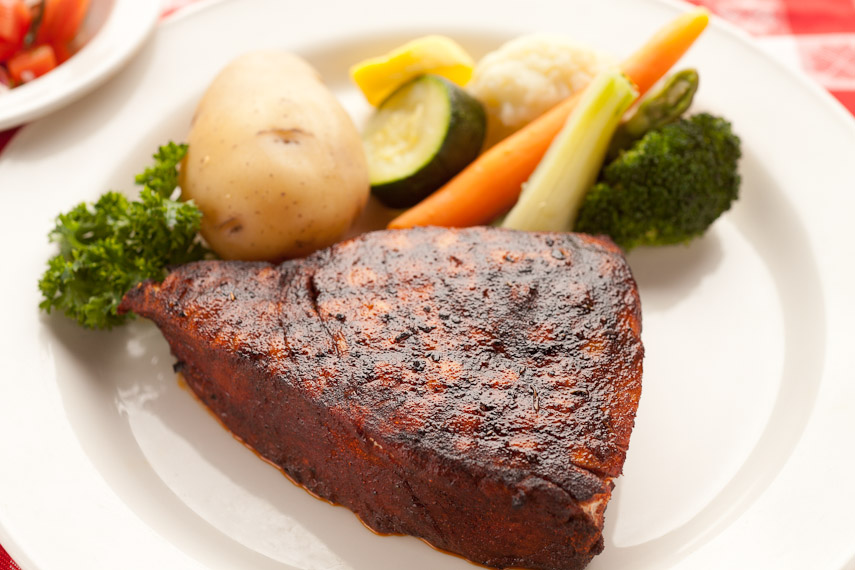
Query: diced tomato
x=8 y=49
x=58 y=26
x=62 y=52
x=27 y=65
x=61 y=21
x=15 y=20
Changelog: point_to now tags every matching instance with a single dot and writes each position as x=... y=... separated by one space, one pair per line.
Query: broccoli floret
x=668 y=187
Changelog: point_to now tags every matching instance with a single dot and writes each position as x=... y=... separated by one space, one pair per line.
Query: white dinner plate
x=113 y=31
x=742 y=453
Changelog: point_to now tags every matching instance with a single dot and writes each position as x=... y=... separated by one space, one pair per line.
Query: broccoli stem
x=657 y=110
x=553 y=194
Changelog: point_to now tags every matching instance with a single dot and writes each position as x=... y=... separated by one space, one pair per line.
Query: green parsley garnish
x=107 y=247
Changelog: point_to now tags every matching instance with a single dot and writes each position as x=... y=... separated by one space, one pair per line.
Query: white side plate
x=116 y=29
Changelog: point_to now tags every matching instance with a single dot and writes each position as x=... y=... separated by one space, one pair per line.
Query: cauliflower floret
x=527 y=76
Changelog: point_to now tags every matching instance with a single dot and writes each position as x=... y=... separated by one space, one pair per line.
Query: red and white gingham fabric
x=817 y=36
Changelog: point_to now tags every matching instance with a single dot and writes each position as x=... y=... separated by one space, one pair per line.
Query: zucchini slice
x=423 y=134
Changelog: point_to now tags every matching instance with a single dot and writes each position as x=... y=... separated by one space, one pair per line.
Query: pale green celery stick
x=553 y=194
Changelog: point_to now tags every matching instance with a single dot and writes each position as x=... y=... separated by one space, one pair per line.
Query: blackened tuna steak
x=475 y=388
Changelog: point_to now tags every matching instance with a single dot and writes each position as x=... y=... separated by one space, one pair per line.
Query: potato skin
x=274 y=162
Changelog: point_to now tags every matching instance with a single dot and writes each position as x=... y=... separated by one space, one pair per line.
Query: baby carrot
x=490 y=185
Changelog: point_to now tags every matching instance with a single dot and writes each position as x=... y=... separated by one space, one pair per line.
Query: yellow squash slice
x=379 y=77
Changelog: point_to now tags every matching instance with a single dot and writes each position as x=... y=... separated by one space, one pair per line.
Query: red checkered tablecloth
x=817 y=36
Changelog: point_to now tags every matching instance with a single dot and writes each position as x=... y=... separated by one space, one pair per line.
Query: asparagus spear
x=657 y=110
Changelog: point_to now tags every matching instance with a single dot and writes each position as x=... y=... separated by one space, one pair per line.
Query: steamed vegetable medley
x=541 y=134
x=605 y=158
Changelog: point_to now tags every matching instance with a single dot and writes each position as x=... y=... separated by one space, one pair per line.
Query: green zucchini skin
x=464 y=137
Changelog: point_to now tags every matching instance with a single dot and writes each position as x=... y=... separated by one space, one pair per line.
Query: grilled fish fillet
x=472 y=387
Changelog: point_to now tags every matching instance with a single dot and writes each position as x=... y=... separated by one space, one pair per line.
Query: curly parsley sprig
x=107 y=247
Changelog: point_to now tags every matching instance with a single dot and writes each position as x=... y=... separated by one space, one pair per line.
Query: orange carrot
x=655 y=58
x=491 y=185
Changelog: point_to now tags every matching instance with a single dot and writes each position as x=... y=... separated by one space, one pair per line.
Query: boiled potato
x=274 y=162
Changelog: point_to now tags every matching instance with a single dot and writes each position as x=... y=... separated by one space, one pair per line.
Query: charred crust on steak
x=476 y=388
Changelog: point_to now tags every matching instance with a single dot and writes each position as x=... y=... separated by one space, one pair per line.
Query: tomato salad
x=36 y=36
